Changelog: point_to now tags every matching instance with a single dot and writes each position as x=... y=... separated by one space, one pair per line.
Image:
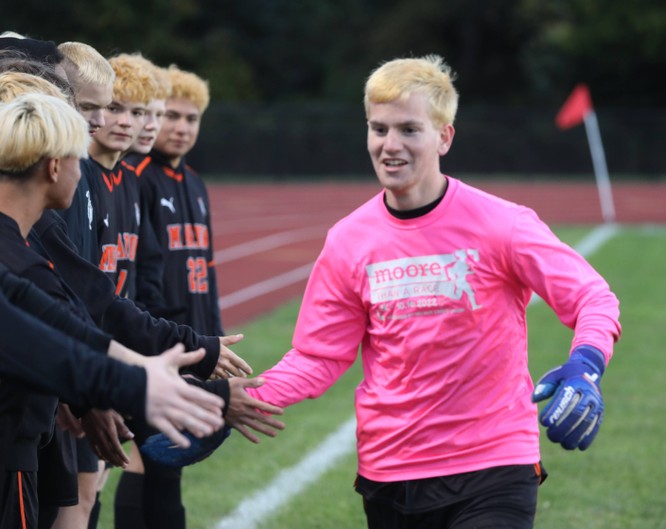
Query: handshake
x=242 y=412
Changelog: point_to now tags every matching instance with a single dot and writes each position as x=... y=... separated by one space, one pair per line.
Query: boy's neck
x=104 y=157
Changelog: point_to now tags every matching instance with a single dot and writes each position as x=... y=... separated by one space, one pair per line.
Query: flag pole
x=600 y=168
x=578 y=109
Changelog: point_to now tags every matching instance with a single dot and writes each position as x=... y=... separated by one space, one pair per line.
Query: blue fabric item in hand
x=160 y=449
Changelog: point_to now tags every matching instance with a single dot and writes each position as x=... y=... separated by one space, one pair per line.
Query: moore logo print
x=428 y=275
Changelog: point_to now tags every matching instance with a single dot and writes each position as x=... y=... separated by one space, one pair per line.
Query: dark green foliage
x=504 y=51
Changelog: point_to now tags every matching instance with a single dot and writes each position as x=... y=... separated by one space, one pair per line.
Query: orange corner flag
x=575 y=108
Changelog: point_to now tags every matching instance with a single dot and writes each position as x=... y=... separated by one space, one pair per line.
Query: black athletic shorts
x=86 y=458
x=485 y=499
x=58 y=481
x=18 y=505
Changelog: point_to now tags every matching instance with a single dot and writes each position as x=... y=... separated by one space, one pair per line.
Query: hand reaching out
x=229 y=364
x=246 y=412
x=173 y=405
x=105 y=429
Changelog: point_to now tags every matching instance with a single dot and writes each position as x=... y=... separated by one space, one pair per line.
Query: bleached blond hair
x=429 y=75
x=36 y=126
x=14 y=84
x=133 y=82
x=159 y=74
x=188 y=85
x=83 y=63
x=162 y=76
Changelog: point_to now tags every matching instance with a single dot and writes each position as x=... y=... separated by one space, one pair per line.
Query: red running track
x=267 y=236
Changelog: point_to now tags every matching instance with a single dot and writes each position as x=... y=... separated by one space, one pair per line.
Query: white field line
x=268 y=243
x=291 y=481
x=285 y=221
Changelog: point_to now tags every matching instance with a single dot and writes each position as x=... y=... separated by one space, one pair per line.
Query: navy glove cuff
x=590 y=356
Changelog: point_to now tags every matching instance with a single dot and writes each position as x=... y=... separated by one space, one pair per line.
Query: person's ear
x=53 y=168
x=446 y=133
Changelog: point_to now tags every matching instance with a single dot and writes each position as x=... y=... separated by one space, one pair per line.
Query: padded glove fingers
x=575 y=412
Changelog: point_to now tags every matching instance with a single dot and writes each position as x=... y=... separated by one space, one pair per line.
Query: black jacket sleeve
x=219 y=387
x=87 y=281
x=212 y=275
x=138 y=330
x=49 y=360
x=36 y=302
x=118 y=316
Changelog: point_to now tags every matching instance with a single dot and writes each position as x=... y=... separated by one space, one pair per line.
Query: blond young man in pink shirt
x=432 y=278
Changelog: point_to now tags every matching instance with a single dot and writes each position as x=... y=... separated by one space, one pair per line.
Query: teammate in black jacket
x=103 y=299
x=180 y=281
x=46 y=348
x=49 y=349
x=114 y=188
x=41 y=141
x=175 y=205
x=34 y=176
x=91 y=77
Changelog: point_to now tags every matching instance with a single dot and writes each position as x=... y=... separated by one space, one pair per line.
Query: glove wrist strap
x=590 y=356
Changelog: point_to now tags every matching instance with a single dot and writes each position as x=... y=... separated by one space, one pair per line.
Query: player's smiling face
x=405 y=147
x=180 y=129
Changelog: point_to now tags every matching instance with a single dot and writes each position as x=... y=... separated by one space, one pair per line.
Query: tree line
x=504 y=52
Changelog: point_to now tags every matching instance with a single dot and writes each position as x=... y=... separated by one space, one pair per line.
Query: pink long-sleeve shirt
x=437 y=304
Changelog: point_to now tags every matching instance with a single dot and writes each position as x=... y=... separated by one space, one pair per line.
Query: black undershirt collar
x=414 y=213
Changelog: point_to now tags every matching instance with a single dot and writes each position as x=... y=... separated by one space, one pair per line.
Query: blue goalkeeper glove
x=160 y=449
x=574 y=414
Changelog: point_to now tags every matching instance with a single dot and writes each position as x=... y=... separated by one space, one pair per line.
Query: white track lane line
x=264 y=287
x=269 y=242
x=291 y=481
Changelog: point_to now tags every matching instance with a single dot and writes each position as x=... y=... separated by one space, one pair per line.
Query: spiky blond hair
x=188 y=85
x=159 y=74
x=83 y=63
x=133 y=82
x=399 y=78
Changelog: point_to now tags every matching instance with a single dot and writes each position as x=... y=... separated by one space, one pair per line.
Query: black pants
x=19 y=505
x=505 y=501
x=162 y=504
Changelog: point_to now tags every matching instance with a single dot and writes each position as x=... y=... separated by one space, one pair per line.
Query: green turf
x=616 y=484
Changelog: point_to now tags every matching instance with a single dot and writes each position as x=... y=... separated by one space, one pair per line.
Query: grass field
x=619 y=483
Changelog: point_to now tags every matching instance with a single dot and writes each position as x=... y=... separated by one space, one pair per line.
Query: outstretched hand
x=246 y=412
x=229 y=363
x=106 y=429
x=173 y=405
